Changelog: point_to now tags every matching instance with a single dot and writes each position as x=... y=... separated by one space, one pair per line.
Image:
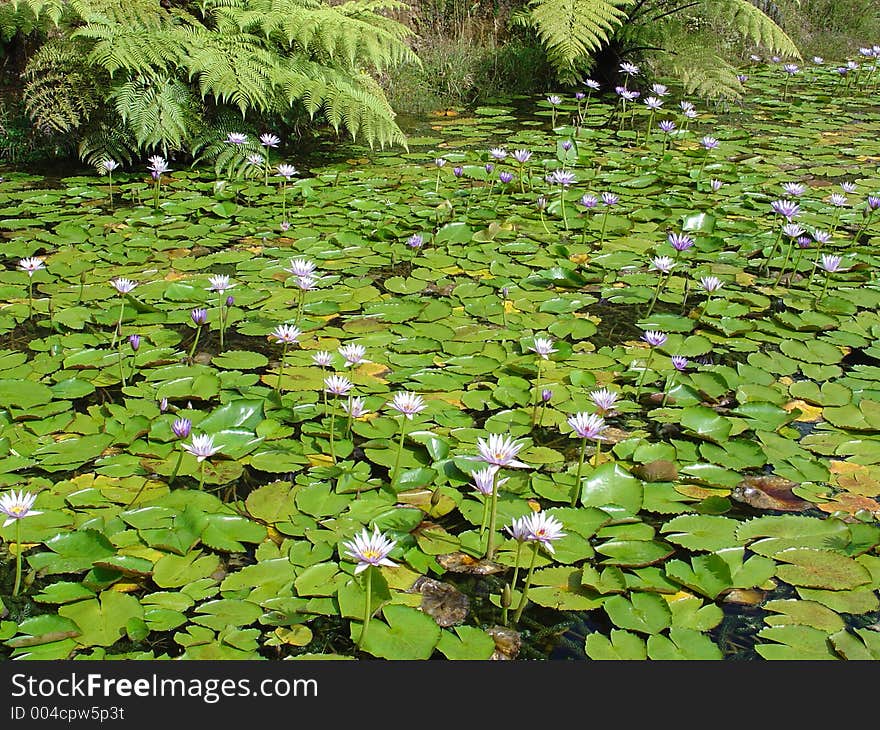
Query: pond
x=657 y=345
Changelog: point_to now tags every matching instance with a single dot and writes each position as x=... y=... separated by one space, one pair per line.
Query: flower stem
x=493 y=516
x=577 y=478
x=537 y=392
x=368 y=612
x=394 y=473
x=562 y=205
x=195 y=343
x=202 y=475
x=597 y=453
x=222 y=320
x=525 y=593
x=602 y=232
x=118 y=331
x=772 y=252
x=504 y=611
x=642 y=376
x=485 y=516
x=17 y=557
x=176 y=469
x=30 y=298
x=281 y=369
x=656 y=294
x=333 y=431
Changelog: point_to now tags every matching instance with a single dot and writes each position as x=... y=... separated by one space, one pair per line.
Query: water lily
x=369 y=551
x=31 y=265
x=654 y=339
x=353 y=354
x=499 y=450
x=287 y=335
x=830 y=264
x=543 y=347
x=585 y=426
x=220 y=283
x=542 y=531
x=17 y=506
x=158 y=166
x=123 y=286
x=106 y=167
x=408 y=405
x=203 y=448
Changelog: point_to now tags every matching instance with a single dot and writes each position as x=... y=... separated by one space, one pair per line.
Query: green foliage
x=690 y=41
x=162 y=71
x=573 y=29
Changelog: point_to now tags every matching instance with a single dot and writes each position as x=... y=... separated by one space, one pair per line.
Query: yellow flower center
x=371 y=554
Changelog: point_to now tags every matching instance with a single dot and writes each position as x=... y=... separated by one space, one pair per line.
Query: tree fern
x=157 y=111
x=352 y=33
x=573 y=29
x=51 y=9
x=60 y=90
x=752 y=23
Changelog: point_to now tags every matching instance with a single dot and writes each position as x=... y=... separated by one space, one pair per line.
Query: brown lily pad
x=660 y=470
x=443 y=602
x=507 y=642
x=459 y=562
x=769 y=492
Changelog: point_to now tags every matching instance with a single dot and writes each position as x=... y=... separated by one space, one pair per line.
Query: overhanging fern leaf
x=572 y=29
x=752 y=23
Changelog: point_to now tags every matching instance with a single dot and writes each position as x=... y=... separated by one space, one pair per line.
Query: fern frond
x=158 y=112
x=752 y=23
x=52 y=9
x=59 y=92
x=107 y=141
x=351 y=33
x=573 y=29
x=355 y=102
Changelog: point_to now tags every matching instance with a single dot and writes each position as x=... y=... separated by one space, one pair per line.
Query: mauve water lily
x=505 y=177
x=663 y=264
x=500 y=450
x=337 y=385
x=181 y=428
x=415 y=240
x=680 y=241
x=543 y=346
x=485 y=480
x=679 y=362
x=837 y=199
x=604 y=400
x=498 y=153
x=123 y=285
x=522 y=156
x=562 y=177
x=268 y=139
x=711 y=284
x=788 y=209
x=286 y=171
x=407 y=404
x=16 y=506
x=589 y=201
x=795 y=189
x=322 y=358
x=653 y=103
x=31 y=265
x=355 y=407
x=667 y=125
x=353 y=353
x=220 y=283
x=202 y=447
x=301 y=267
x=237 y=138
x=655 y=338
x=610 y=199
x=369 y=550
x=286 y=334
x=630 y=69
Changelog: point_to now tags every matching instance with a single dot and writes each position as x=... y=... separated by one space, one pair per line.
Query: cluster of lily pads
x=586 y=379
